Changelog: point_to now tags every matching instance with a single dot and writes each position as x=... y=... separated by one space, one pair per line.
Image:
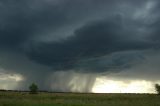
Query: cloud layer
x=44 y=37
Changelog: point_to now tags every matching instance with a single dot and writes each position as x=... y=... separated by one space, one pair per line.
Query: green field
x=77 y=99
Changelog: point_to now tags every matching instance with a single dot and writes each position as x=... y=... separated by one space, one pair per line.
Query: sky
x=100 y=46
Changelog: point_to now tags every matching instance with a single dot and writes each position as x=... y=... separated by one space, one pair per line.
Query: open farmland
x=77 y=99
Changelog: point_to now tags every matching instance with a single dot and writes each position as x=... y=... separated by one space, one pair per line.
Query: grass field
x=77 y=99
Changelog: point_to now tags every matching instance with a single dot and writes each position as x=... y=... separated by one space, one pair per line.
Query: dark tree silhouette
x=33 y=88
x=157 y=87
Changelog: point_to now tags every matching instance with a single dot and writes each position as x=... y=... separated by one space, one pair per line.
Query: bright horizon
x=118 y=86
x=101 y=85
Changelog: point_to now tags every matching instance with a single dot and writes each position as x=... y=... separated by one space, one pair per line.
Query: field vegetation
x=10 y=98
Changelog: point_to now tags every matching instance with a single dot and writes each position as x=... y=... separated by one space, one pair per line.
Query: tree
x=157 y=87
x=33 y=88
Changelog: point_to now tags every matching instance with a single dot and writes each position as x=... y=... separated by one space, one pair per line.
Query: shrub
x=33 y=88
x=157 y=87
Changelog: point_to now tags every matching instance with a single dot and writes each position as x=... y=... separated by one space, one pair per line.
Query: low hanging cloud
x=57 y=42
x=94 y=40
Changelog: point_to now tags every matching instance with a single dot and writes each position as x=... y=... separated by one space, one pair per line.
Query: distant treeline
x=45 y=91
x=4 y=90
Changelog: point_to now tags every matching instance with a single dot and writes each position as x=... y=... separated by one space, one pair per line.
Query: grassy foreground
x=77 y=99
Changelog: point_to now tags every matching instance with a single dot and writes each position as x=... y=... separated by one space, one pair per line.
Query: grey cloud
x=148 y=69
x=95 y=39
x=23 y=20
x=91 y=35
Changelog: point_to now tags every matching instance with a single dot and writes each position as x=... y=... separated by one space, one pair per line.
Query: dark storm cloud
x=21 y=20
x=93 y=40
x=38 y=37
x=155 y=27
